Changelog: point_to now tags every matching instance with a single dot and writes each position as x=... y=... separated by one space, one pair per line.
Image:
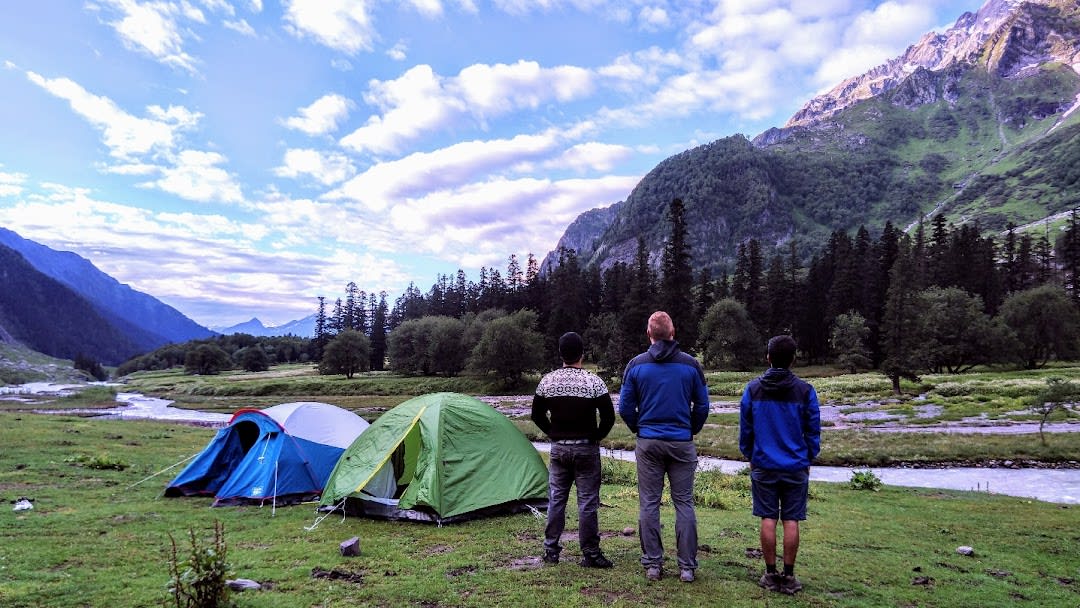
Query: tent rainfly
x=282 y=454
x=451 y=457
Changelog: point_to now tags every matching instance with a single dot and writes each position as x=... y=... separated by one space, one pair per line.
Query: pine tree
x=899 y=325
x=676 y=295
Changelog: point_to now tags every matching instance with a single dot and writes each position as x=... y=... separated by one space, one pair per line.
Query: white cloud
x=343 y=25
x=415 y=103
x=428 y=8
x=322 y=116
x=196 y=176
x=327 y=168
x=398 y=52
x=590 y=156
x=421 y=101
x=125 y=135
x=654 y=18
x=152 y=28
x=241 y=26
x=419 y=173
x=11 y=184
x=482 y=223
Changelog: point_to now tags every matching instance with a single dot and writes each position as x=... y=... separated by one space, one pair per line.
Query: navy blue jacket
x=779 y=422
x=664 y=395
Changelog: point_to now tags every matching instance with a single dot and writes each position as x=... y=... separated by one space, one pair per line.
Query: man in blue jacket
x=664 y=401
x=780 y=434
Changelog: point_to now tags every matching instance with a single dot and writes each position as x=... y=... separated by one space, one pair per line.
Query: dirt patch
x=338 y=575
x=529 y=562
x=438 y=550
x=460 y=571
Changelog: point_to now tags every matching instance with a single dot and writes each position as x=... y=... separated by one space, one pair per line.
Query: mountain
x=304 y=328
x=51 y=318
x=147 y=321
x=977 y=123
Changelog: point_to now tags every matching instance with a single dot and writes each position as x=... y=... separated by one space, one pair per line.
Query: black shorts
x=780 y=494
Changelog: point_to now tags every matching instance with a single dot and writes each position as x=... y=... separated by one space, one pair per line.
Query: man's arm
x=607 y=416
x=812 y=423
x=628 y=402
x=540 y=414
x=746 y=425
x=700 y=412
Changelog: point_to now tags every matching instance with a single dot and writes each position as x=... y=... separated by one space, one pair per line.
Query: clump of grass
x=617 y=472
x=717 y=490
x=865 y=480
x=99 y=462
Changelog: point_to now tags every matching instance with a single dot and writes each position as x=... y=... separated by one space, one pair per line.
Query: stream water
x=1050 y=485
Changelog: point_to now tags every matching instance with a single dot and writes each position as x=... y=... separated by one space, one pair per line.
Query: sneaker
x=551 y=557
x=790 y=585
x=686 y=575
x=770 y=581
x=654 y=573
x=596 y=561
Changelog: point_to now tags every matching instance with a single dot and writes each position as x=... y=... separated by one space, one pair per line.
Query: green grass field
x=99 y=535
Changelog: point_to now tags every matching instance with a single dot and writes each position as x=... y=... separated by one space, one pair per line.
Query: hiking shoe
x=654 y=573
x=770 y=581
x=596 y=561
x=686 y=575
x=789 y=584
x=551 y=557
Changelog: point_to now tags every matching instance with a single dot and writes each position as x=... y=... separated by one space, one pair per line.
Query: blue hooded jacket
x=664 y=395
x=779 y=422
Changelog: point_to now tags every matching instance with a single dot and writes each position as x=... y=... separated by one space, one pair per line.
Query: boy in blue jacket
x=780 y=434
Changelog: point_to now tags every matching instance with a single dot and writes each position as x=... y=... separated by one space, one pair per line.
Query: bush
x=199 y=582
x=865 y=480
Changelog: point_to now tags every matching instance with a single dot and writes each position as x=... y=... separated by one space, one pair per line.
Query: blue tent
x=282 y=454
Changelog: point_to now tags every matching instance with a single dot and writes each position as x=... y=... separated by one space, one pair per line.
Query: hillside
x=147 y=321
x=987 y=134
x=47 y=316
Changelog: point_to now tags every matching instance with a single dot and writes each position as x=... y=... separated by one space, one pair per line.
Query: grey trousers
x=574 y=465
x=678 y=461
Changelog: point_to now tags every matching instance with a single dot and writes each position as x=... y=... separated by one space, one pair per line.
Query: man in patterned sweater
x=565 y=407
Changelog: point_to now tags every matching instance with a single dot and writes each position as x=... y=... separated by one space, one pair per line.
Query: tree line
x=942 y=298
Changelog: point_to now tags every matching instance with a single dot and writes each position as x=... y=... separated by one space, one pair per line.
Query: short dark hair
x=781 y=350
x=571 y=347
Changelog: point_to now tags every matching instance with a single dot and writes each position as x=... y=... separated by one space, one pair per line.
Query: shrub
x=199 y=582
x=865 y=480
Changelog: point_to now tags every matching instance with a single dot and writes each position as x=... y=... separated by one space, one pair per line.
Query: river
x=1050 y=485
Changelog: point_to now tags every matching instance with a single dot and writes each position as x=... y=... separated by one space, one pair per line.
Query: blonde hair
x=660 y=326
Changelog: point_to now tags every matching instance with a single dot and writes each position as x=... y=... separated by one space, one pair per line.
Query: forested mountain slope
x=49 y=317
x=987 y=133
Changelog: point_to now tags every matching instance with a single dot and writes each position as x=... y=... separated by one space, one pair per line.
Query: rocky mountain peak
x=1004 y=36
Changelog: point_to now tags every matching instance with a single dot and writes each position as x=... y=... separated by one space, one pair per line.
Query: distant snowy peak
x=304 y=328
x=1007 y=35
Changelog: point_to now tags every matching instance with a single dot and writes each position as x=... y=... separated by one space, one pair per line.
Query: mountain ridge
x=949 y=140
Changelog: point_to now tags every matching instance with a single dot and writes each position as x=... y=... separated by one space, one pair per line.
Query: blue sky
x=238 y=158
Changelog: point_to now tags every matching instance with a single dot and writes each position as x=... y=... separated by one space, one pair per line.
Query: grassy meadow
x=100 y=534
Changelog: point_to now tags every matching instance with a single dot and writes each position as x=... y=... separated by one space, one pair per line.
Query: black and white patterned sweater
x=567 y=404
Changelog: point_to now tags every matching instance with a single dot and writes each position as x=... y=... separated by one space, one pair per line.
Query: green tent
x=452 y=457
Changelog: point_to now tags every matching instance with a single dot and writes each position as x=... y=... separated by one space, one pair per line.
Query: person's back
x=664 y=401
x=782 y=417
x=663 y=381
x=780 y=434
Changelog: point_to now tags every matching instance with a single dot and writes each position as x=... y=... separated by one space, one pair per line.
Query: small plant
x=199 y=582
x=865 y=480
x=617 y=472
x=99 y=462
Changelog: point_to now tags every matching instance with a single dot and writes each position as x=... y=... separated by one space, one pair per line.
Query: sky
x=240 y=158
